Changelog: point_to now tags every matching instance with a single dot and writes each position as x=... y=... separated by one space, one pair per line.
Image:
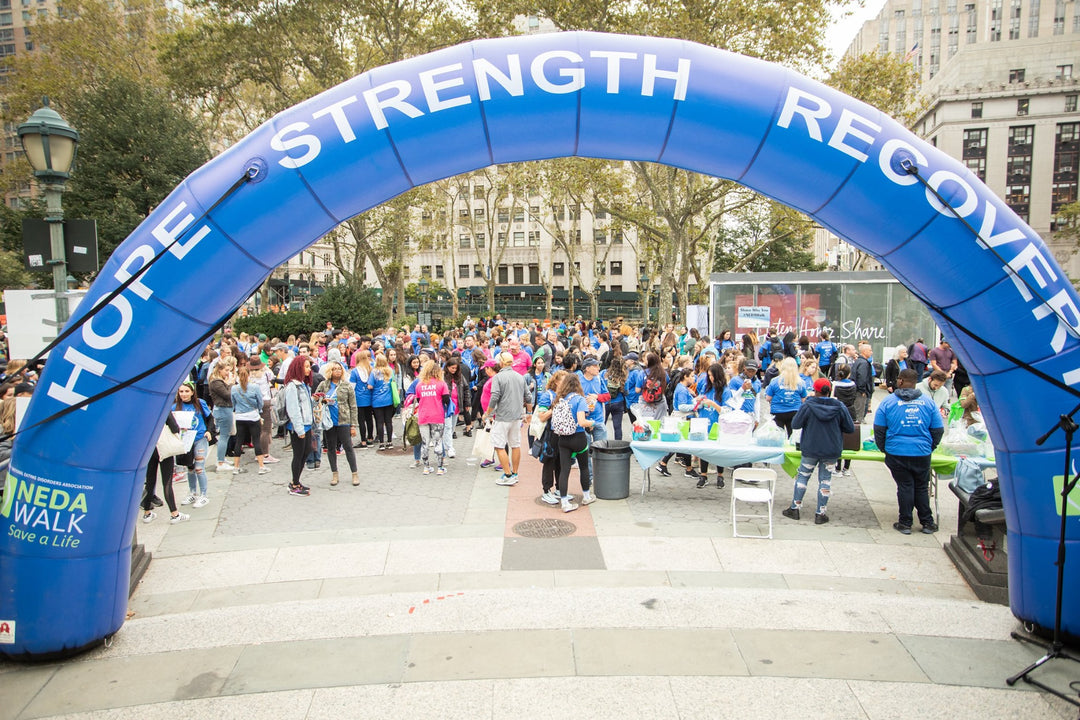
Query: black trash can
x=611 y=469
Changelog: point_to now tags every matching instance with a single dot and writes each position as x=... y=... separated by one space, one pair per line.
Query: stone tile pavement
x=412 y=596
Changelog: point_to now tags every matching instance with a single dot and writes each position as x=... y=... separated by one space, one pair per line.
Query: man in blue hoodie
x=907 y=428
x=823 y=420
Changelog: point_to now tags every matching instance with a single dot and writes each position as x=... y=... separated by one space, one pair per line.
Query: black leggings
x=384 y=421
x=367 y=424
x=167 y=465
x=570 y=445
x=335 y=436
x=301 y=446
x=249 y=430
x=783 y=419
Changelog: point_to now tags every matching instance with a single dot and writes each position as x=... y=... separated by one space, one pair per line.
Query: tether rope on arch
x=912 y=169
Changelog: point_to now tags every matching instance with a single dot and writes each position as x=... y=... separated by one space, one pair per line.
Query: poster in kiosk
x=69 y=502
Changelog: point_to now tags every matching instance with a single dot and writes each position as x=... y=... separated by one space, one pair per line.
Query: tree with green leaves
x=886 y=81
x=765 y=236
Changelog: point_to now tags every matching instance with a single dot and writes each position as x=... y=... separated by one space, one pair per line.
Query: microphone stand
x=1056 y=648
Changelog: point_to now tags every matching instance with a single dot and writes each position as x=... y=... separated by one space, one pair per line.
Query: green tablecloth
x=939 y=462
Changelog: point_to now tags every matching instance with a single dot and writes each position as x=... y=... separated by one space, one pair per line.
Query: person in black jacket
x=823 y=420
x=894 y=366
x=863 y=375
x=844 y=391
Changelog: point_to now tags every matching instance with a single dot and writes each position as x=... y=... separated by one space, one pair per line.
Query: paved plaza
x=417 y=596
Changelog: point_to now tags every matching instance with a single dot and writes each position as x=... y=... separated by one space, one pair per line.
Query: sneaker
x=792 y=513
x=486 y=463
x=719 y=481
x=188 y=500
x=702 y=481
x=223 y=467
x=201 y=501
x=515 y=476
x=690 y=473
x=414 y=464
x=299 y=490
x=568 y=506
x=902 y=529
x=820 y=518
x=506 y=480
x=270 y=459
x=179 y=476
x=428 y=470
x=587 y=498
x=467 y=433
x=662 y=469
x=149 y=516
x=450 y=453
x=929 y=528
x=237 y=471
x=179 y=518
x=549 y=498
x=498 y=468
x=156 y=501
x=441 y=471
x=848 y=473
x=263 y=470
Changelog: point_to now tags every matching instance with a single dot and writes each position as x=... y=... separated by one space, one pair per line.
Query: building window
x=600 y=214
x=1022 y=105
x=1064 y=72
x=481 y=240
x=464 y=242
x=477 y=271
x=534 y=274
x=616 y=237
x=534 y=210
x=1014 y=20
x=504 y=274
x=1059 y=17
x=463 y=271
x=534 y=238
x=425 y=217
x=972 y=32
x=519 y=274
x=519 y=239
x=977 y=165
x=599 y=237
x=519 y=214
x=616 y=267
x=439 y=273
x=995 y=20
x=425 y=271
x=478 y=192
x=504 y=215
x=1018 y=170
x=501 y=237
x=1066 y=157
x=976 y=110
x=575 y=237
x=1020 y=139
x=1018 y=181
x=1070 y=103
x=1016 y=76
x=558 y=269
x=463 y=212
x=478 y=213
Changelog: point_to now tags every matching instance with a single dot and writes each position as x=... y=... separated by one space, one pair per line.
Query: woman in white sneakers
x=341 y=405
x=247 y=403
x=298 y=379
x=186 y=400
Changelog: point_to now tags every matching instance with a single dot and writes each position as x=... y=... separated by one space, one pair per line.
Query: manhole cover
x=544 y=528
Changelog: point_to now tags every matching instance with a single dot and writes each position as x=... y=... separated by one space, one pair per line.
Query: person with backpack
x=844 y=391
x=786 y=394
x=681 y=399
x=654 y=383
x=570 y=423
x=341 y=405
x=745 y=385
x=825 y=350
x=548 y=448
x=298 y=410
x=615 y=378
x=433 y=399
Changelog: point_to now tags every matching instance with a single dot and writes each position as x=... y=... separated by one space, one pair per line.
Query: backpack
x=652 y=392
x=279 y=414
x=562 y=419
x=412 y=431
x=969 y=475
x=669 y=391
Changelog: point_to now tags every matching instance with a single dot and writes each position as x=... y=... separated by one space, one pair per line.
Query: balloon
x=69 y=506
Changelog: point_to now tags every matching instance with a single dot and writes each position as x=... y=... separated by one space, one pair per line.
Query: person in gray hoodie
x=823 y=421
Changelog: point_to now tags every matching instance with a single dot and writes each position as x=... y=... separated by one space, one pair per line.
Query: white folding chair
x=752 y=486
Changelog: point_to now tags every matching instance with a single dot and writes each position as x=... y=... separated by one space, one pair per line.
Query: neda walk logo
x=42 y=513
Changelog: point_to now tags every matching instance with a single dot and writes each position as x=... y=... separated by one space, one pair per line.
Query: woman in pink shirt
x=432 y=401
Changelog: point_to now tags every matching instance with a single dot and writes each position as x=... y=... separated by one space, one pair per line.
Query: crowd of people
x=564 y=385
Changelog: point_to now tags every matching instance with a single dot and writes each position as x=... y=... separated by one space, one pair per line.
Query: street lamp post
x=645 y=282
x=50 y=145
x=423 y=293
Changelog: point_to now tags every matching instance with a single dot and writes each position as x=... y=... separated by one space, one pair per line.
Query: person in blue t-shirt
x=682 y=400
x=746 y=386
x=710 y=404
x=826 y=350
x=907 y=428
x=786 y=394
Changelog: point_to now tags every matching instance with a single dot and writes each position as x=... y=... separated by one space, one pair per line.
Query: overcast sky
x=844 y=31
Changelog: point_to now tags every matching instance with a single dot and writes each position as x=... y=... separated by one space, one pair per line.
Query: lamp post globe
x=50 y=144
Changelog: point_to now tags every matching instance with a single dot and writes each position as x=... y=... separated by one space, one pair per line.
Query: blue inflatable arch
x=69 y=505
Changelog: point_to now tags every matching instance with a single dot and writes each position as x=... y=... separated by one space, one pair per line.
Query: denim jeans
x=596 y=434
x=315 y=455
x=615 y=411
x=824 y=477
x=199 y=473
x=912 y=477
x=223 y=418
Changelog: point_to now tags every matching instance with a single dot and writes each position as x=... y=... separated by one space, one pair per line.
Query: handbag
x=169 y=444
x=536 y=426
x=482 y=448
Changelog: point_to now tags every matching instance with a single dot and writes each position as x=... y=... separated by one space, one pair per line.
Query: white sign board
x=754 y=316
x=31 y=316
x=697 y=316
